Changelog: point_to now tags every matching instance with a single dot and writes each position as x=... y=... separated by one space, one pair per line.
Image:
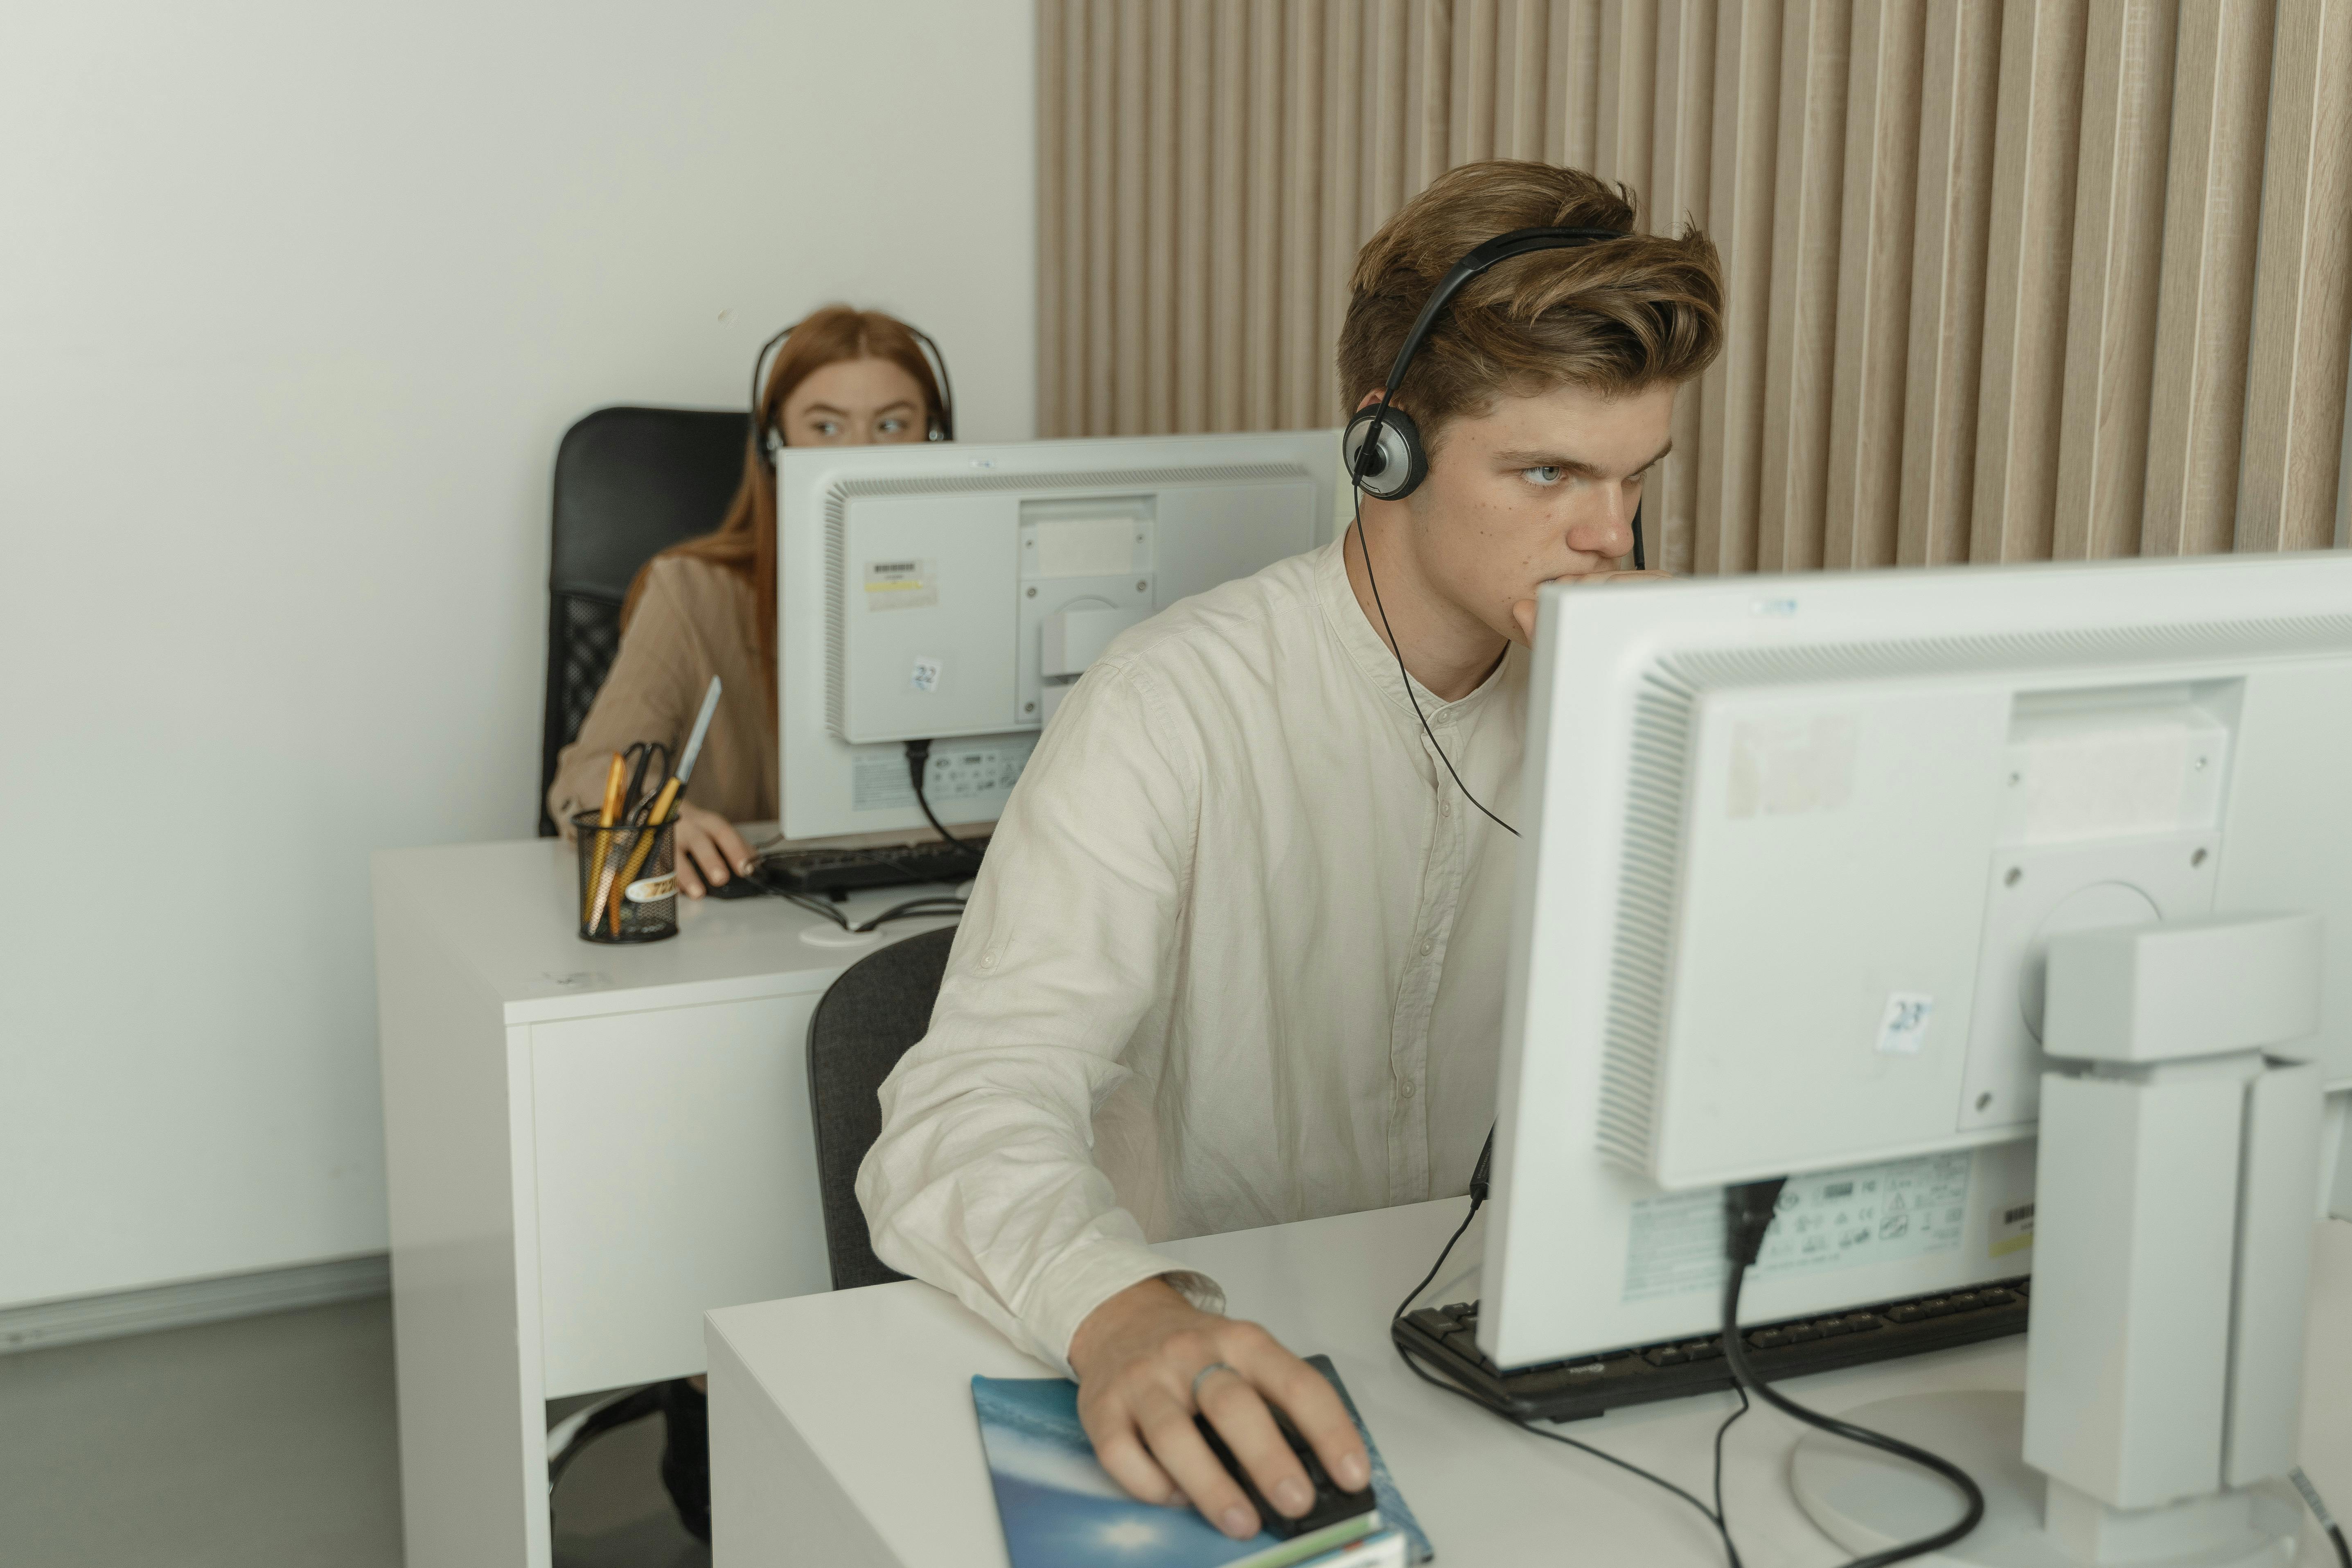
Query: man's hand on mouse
x=1524 y=612
x=1143 y=1359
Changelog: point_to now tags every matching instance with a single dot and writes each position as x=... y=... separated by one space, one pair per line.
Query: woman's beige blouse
x=695 y=621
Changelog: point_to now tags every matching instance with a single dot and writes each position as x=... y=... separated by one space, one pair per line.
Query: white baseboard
x=40 y=1325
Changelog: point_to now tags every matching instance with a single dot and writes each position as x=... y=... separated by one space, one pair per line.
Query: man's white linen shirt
x=1235 y=958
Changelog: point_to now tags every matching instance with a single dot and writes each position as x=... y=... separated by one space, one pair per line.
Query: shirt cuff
x=1084 y=1280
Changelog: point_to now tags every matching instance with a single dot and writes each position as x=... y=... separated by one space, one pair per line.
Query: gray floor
x=262 y=1443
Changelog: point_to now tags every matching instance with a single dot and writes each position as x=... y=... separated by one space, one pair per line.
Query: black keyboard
x=836 y=871
x=1446 y=1338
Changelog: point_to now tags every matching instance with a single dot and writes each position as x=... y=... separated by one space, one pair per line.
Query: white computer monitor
x=953 y=592
x=1794 y=847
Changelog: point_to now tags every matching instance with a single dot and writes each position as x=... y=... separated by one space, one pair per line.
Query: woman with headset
x=843 y=377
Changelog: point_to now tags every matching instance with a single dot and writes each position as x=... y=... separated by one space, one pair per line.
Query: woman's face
x=856 y=403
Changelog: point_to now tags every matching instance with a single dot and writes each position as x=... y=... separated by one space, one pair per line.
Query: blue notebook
x=1061 y=1510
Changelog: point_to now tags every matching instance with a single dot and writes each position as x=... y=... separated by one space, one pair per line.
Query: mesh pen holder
x=628 y=882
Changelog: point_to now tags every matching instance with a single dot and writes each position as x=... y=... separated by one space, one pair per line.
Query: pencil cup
x=628 y=882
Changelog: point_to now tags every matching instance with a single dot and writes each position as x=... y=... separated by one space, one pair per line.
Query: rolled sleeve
x=984 y=1180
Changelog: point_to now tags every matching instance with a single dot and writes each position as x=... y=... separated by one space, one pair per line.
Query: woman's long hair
x=745 y=542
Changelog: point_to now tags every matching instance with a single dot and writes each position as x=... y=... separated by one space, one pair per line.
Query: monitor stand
x=2178 y=1185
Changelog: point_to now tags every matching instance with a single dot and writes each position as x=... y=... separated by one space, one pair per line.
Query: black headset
x=1382 y=444
x=941 y=418
x=1386 y=459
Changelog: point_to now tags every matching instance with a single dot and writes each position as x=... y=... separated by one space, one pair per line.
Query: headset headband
x=942 y=416
x=1502 y=248
x=1381 y=416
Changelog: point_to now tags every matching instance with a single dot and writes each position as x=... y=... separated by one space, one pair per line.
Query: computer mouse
x=1331 y=1503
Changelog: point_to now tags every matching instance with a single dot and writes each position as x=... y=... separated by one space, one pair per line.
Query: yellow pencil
x=616 y=779
x=645 y=835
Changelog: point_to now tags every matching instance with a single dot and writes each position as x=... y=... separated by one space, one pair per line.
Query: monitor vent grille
x=836 y=601
x=1664 y=731
x=1648 y=874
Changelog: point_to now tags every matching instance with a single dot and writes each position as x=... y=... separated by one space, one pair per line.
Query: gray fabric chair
x=863 y=1025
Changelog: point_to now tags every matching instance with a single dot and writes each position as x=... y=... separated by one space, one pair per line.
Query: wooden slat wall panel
x=1623 y=113
x=1054 y=210
x=1159 y=279
x=1682 y=149
x=1573 y=128
x=2023 y=375
x=2005 y=278
x=1302 y=220
x=1099 y=179
x=1739 y=217
x=1959 y=88
x=1873 y=272
x=2118 y=236
x=1121 y=324
x=2302 y=290
x=2204 y=315
x=1808 y=190
x=1193 y=108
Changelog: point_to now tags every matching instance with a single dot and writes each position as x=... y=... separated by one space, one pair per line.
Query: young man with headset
x=1236 y=957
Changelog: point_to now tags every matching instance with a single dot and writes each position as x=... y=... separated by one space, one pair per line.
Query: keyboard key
x=1665 y=1356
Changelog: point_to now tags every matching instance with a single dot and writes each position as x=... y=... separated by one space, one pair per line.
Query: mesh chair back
x=629 y=483
x=863 y=1023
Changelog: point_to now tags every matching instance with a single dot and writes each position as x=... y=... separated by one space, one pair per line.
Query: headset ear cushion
x=1394 y=468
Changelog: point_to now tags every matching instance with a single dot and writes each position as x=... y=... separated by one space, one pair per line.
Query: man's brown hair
x=1615 y=316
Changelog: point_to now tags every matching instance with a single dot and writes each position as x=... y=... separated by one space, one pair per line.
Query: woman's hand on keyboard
x=709 y=851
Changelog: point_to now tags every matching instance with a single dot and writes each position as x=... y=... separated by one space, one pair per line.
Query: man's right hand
x=1141 y=1357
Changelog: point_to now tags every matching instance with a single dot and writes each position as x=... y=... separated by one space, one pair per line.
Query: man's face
x=1538 y=487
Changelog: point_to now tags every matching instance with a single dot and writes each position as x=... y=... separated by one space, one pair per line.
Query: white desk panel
x=842 y=1429
x=677 y=1172
x=586 y=1147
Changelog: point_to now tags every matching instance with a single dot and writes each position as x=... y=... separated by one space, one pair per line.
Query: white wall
x=295 y=300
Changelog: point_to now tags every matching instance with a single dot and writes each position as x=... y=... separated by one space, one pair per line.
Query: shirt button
x=1406 y=1090
x=1444 y=808
x=1428 y=947
x=988 y=961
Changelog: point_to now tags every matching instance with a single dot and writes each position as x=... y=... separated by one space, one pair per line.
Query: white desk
x=587 y=1146
x=842 y=1430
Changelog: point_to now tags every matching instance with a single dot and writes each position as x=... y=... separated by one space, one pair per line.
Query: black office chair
x=863 y=1025
x=629 y=483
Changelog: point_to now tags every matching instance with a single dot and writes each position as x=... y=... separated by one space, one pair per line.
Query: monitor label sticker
x=1832 y=1219
x=1903 y=1028
x=901 y=585
x=1787 y=767
x=878 y=779
x=2013 y=1229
